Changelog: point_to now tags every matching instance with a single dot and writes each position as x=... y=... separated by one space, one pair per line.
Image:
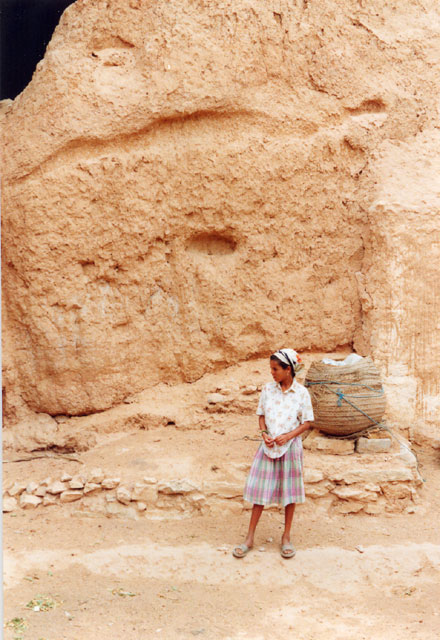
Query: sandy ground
x=125 y=579
x=185 y=583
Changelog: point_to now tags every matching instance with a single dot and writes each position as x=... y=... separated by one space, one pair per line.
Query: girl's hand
x=268 y=440
x=283 y=439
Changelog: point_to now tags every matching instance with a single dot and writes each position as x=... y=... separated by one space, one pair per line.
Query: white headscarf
x=288 y=356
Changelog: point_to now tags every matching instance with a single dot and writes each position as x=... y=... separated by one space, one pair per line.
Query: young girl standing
x=285 y=412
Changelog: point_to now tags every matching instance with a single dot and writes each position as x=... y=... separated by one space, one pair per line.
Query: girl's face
x=278 y=373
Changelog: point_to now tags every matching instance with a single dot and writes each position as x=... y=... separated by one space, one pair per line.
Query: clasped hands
x=279 y=440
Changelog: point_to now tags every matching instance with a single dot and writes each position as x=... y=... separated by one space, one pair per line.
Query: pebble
x=32 y=487
x=66 y=477
x=262 y=549
x=9 y=504
x=269 y=540
x=110 y=483
x=123 y=495
x=28 y=501
x=56 y=487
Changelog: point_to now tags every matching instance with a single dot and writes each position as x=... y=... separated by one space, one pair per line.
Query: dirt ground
x=113 y=579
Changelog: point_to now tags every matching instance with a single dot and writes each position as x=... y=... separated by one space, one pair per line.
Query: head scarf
x=288 y=356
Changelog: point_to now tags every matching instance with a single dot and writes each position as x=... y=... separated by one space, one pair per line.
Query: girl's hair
x=283 y=364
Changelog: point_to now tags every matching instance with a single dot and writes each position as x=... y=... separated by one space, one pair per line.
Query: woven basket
x=334 y=414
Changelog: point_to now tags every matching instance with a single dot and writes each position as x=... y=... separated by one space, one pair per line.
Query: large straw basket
x=345 y=397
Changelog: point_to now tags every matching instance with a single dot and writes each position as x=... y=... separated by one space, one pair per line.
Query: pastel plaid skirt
x=276 y=480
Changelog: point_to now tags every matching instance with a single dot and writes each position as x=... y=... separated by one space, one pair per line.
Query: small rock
x=249 y=390
x=96 y=475
x=110 y=483
x=150 y=480
x=56 y=487
x=91 y=487
x=28 y=501
x=9 y=504
x=32 y=487
x=48 y=501
x=262 y=549
x=175 y=487
x=66 y=477
x=360 y=548
x=77 y=482
x=17 y=488
x=141 y=506
x=373 y=445
x=46 y=482
x=41 y=491
x=70 y=496
x=123 y=495
x=411 y=509
x=269 y=540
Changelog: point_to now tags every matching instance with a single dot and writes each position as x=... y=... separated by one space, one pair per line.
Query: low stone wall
x=348 y=483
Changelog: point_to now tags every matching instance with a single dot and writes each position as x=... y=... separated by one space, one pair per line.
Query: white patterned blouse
x=283 y=411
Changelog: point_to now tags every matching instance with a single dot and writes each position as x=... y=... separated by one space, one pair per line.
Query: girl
x=285 y=412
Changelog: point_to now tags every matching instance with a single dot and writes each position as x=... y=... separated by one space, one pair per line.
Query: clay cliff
x=191 y=184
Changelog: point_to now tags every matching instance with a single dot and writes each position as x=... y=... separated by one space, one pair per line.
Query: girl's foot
x=287 y=548
x=241 y=549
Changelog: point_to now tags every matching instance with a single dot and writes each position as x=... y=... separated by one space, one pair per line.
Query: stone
x=28 y=501
x=9 y=504
x=150 y=480
x=49 y=501
x=66 y=477
x=373 y=445
x=349 y=506
x=141 y=506
x=144 y=492
x=333 y=446
x=95 y=476
x=110 y=483
x=41 y=491
x=223 y=489
x=123 y=495
x=397 y=491
x=312 y=475
x=249 y=390
x=91 y=487
x=32 y=487
x=317 y=490
x=17 y=488
x=56 y=487
x=77 y=482
x=46 y=482
x=70 y=495
x=354 y=493
x=175 y=487
x=373 y=475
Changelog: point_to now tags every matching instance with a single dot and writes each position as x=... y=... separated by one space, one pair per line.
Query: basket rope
x=377 y=393
x=380 y=425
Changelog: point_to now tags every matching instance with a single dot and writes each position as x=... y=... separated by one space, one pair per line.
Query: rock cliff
x=190 y=184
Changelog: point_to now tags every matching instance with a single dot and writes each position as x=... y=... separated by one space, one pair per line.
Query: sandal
x=287 y=550
x=241 y=550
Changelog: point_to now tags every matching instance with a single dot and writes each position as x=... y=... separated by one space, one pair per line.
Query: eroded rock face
x=185 y=187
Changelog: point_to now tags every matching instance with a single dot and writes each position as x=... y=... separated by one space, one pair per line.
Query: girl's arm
x=263 y=429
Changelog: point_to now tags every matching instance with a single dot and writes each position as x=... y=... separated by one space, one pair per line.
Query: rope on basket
x=376 y=425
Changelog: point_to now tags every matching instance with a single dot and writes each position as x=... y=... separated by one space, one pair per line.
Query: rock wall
x=188 y=184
